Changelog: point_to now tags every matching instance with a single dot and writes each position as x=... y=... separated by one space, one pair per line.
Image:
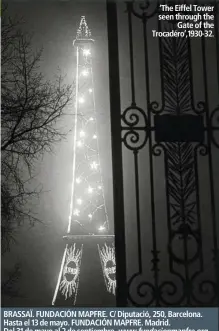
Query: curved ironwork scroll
x=192 y=285
x=214 y=127
x=135 y=128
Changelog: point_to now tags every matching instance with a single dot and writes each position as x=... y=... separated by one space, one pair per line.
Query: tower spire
x=83 y=31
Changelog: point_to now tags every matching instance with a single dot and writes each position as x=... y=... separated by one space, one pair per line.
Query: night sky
x=40 y=249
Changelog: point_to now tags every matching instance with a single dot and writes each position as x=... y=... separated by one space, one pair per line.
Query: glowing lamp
x=78 y=180
x=101 y=228
x=90 y=90
x=94 y=165
x=82 y=134
x=86 y=52
x=90 y=216
x=90 y=189
x=85 y=72
x=81 y=100
x=94 y=136
x=79 y=201
x=99 y=187
x=79 y=143
x=76 y=212
x=91 y=119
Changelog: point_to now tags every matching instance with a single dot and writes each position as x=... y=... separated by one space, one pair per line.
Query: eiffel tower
x=87 y=273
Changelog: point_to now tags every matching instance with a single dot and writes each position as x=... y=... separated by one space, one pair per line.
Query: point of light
x=78 y=180
x=79 y=201
x=99 y=187
x=94 y=165
x=90 y=189
x=101 y=228
x=94 y=136
x=90 y=216
x=86 y=52
x=91 y=119
x=85 y=72
x=76 y=212
x=79 y=143
x=81 y=100
x=82 y=134
x=90 y=90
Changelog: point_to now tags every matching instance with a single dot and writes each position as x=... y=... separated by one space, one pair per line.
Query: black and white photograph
x=109 y=153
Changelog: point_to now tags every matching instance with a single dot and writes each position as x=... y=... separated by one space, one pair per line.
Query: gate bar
x=115 y=115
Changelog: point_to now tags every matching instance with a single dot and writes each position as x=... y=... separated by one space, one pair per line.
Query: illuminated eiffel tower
x=87 y=274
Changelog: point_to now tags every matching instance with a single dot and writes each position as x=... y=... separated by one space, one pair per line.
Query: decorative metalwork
x=108 y=262
x=214 y=126
x=71 y=271
x=181 y=132
x=136 y=134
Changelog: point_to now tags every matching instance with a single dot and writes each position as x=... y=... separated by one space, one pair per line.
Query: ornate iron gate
x=165 y=158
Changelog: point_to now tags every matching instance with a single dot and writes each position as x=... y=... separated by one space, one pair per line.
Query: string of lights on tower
x=88 y=207
x=88 y=214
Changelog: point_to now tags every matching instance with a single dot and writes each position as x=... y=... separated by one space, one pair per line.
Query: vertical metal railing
x=115 y=111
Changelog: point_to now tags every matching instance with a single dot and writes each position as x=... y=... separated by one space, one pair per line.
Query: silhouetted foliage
x=9 y=287
x=31 y=108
